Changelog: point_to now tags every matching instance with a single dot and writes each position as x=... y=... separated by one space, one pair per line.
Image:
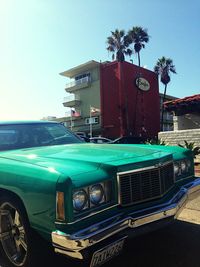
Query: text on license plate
x=106 y=253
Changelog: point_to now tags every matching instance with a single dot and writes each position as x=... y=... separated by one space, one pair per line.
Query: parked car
x=85 y=199
x=129 y=140
x=100 y=140
x=81 y=134
x=84 y=138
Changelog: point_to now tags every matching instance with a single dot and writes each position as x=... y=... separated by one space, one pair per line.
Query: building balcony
x=71 y=101
x=78 y=84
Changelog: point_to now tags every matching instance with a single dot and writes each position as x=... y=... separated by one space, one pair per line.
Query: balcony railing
x=71 y=97
x=78 y=82
x=71 y=101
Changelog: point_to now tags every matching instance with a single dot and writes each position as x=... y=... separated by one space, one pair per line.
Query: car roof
x=25 y=122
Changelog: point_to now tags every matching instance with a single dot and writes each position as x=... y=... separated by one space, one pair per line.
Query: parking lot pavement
x=174 y=246
x=191 y=213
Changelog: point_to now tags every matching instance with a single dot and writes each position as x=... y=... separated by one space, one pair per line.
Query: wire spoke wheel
x=13 y=234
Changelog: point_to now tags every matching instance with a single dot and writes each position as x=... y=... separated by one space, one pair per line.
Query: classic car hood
x=75 y=159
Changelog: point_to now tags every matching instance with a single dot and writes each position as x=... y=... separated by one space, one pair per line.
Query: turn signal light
x=60 y=206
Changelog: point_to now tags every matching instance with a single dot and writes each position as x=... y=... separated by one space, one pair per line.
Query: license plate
x=107 y=253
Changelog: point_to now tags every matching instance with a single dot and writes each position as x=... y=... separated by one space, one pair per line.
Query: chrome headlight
x=189 y=163
x=176 y=168
x=92 y=196
x=96 y=194
x=182 y=167
x=80 y=200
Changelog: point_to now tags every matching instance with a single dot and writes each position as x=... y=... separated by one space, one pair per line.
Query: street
x=174 y=246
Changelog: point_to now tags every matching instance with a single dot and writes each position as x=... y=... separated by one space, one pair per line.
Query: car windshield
x=16 y=136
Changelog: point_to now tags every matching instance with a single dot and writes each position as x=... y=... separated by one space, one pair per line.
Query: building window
x=80 y=79
x=82 y=76
x=168 y=127
x=93 y=120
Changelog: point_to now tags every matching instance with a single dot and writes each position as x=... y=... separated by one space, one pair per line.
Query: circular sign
x=142 y=84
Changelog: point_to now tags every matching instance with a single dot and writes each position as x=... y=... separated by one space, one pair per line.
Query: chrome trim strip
x=156 y=166
x=92 y=214
x=72 y=254
x=182 y=179
x=72 y=245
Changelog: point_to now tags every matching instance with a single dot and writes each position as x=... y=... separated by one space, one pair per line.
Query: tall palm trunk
x=164 y=96
x=139 y=59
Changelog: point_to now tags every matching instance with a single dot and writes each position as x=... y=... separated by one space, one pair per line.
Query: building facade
x=127 y=94
x=168 y=114
x=186 y=112
x=113 y=99
x=83 y=91
x=186 y=122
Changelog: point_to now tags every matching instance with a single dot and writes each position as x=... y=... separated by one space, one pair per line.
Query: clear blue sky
x=41 y=38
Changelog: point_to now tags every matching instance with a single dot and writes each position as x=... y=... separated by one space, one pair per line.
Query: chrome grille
x=146 y=184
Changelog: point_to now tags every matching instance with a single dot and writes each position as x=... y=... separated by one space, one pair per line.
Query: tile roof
x=189 y=100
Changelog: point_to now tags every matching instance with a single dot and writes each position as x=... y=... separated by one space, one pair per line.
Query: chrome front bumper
x=73 y=245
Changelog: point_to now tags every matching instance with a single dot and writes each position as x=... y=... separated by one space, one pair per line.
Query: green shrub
x=191 y=146
x=156 y=141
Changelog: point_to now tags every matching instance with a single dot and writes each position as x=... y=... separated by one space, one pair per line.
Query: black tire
x=15 y=234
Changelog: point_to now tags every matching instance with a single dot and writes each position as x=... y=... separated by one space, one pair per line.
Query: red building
x=129 y=100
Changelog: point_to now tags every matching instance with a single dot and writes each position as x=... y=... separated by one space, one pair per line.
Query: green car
x=84 y=199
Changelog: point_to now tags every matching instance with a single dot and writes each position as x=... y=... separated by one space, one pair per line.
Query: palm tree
x=118 y=42
x=163 y=68
x=138 y=36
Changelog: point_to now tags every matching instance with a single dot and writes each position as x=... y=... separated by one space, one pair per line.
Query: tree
x=163 y=68
x=138 y=36
x=118 y=43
